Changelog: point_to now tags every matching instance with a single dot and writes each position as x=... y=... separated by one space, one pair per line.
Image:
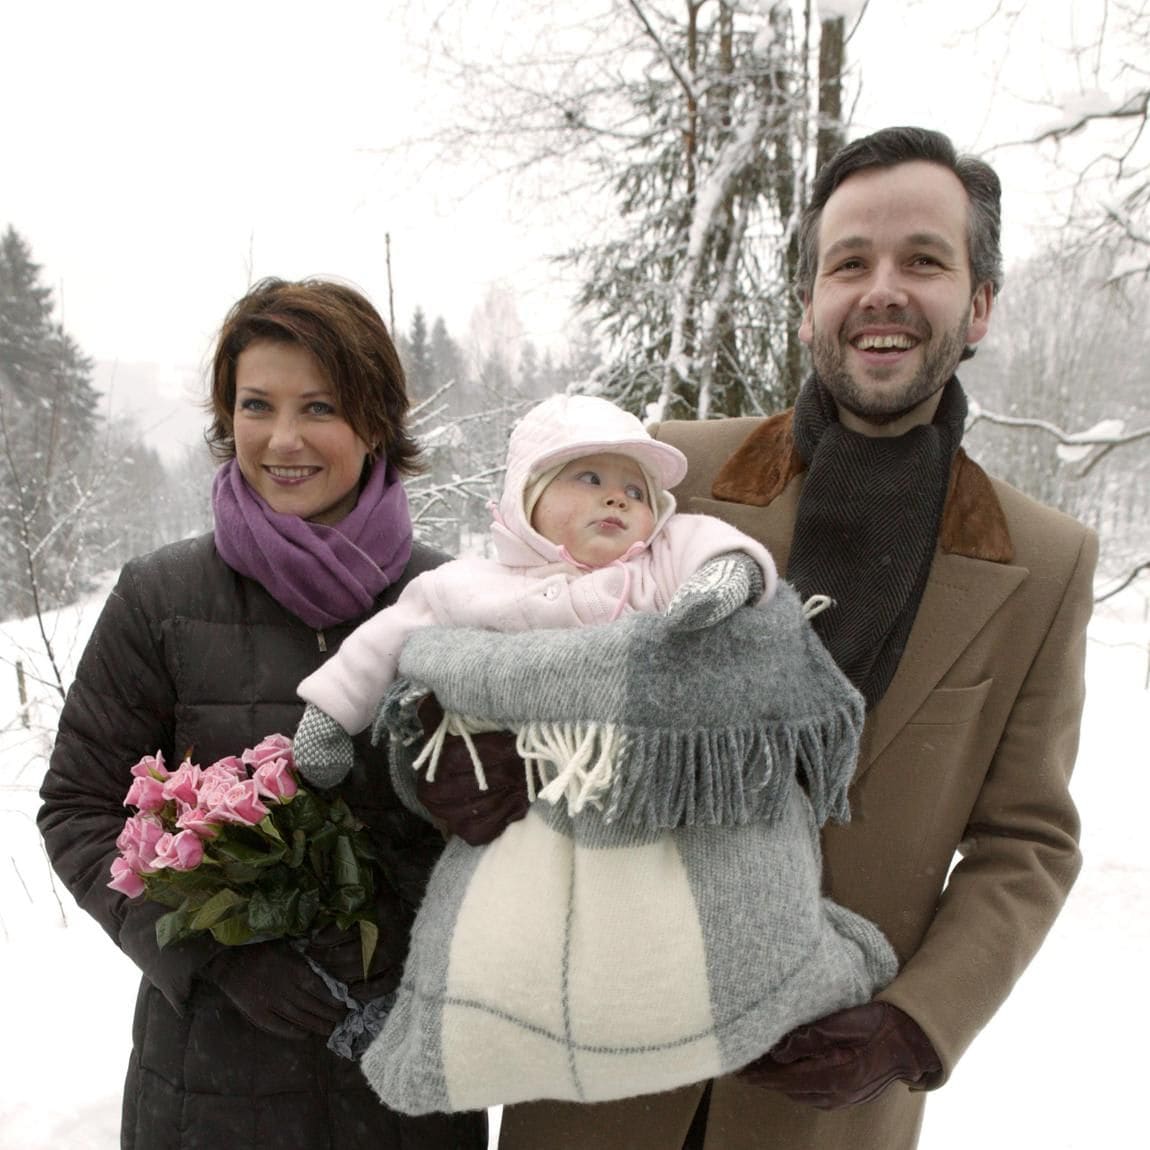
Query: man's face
x=893 y=305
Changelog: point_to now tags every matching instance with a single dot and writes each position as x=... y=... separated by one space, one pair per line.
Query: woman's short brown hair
x=349 y=340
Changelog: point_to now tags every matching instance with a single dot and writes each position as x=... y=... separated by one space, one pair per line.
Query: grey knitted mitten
x=322 y=749
x=720 y=586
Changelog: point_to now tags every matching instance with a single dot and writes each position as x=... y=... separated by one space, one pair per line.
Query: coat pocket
x=947 y=706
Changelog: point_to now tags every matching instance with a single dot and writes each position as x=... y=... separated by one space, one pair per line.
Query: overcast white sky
x=158 y=157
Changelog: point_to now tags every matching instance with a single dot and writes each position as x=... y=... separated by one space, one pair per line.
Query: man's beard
x=877 y=407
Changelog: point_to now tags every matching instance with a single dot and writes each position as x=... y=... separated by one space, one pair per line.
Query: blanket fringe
x=682 y=778
x=572 y=760
x=655 y=778
x=464 y=727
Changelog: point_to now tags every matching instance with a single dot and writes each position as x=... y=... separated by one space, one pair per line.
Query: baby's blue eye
x=590 y=477
x=636 y=493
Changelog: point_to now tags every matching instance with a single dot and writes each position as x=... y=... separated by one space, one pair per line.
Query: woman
x=199 y=649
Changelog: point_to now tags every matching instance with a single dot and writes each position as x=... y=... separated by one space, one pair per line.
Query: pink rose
x=233 y=765
x=137 y=841
x=183 y=783
x=125 y=880
x=275 y=779
x=151 y=766
x=215 y=782
x=273 y=747
x=182 y=851
x=240 y=804
x=198 y=820
x=146 y=794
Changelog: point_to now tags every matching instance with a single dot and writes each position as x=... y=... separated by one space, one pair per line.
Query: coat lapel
x=960 y=597
x=970 y=578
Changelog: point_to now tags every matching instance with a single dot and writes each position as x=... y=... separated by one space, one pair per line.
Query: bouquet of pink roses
x=242 y=849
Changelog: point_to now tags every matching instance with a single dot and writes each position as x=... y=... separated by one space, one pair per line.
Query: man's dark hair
x=886 y=149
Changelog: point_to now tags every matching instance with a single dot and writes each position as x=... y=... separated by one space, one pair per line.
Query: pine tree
x=47 y=423
x=418 y=363
x=43 y=365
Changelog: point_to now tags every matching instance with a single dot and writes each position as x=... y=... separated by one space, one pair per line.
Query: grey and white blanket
x=657 y=918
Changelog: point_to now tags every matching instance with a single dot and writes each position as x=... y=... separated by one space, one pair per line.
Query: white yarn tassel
x=816 y=605
x=572 y=761
x=464 y=727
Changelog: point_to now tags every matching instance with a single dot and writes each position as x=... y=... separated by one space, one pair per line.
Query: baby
x=585 y=532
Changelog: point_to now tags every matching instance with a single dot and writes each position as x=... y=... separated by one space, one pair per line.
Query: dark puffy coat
x=189 y=656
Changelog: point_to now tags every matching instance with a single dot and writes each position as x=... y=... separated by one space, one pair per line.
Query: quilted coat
x=189 y=656
x=966 y=760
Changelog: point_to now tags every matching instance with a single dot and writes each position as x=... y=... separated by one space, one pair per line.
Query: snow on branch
x=1073 y=446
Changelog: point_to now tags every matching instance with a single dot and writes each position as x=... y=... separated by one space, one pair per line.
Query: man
x=960 y=613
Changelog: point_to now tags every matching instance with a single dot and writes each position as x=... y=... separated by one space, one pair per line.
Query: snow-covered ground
x=1054 y=1069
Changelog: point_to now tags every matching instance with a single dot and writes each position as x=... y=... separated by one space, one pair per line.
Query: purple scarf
x=322 y=574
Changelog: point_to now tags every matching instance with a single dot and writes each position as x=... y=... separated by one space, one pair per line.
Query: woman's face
x=293 y=445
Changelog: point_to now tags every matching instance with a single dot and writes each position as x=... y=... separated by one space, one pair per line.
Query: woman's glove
x=848 y=1057
x=453 y=798
x=273 y=987
x=721 y=586
x=340 y=952
x=322 y=749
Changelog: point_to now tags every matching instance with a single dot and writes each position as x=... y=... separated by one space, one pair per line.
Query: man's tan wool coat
x=968 y=754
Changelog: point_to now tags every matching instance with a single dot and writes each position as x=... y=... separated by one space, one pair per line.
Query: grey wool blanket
x=657 y=918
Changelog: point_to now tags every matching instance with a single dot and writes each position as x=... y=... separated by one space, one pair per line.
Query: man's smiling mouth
x=897 y=341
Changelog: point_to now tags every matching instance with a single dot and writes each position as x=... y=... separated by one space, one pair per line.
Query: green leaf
x=237 y=874
x=269 y=828
x=368 y=940
x=252 y=855
x=222 y=903
x=344 y=864
x=171 y=927
x=305 y=813
x=306 y=910
x=272 y=912
x=348 y=899
x=232 y=932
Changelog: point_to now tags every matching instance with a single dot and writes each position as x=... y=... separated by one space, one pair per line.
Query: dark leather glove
x=340 y=952
x=848 y=1057
x=273 y=987
x=454 y=799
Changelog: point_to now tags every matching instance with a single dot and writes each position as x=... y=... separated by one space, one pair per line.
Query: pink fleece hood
x=553 y=433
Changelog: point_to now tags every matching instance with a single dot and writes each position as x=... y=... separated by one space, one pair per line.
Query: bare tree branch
x=1129 y=578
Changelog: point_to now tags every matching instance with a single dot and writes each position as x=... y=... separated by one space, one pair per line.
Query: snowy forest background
x=689 y=130
x=679 y=139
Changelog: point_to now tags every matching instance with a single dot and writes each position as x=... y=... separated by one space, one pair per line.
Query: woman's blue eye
x=253 y=404
x=321 y=408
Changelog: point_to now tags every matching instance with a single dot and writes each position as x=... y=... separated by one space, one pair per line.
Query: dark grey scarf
x=866 y=528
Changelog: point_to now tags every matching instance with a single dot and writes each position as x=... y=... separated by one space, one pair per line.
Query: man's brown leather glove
x=846 y=1058
x=454 y=799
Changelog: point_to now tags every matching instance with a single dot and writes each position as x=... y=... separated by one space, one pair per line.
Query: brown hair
x=349 y=340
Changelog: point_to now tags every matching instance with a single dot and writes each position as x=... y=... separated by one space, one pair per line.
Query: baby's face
x=596 y=507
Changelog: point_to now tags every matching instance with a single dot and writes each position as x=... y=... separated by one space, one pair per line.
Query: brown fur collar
x=973 y=523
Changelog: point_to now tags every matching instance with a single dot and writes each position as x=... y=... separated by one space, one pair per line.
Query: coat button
x=550 y=592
